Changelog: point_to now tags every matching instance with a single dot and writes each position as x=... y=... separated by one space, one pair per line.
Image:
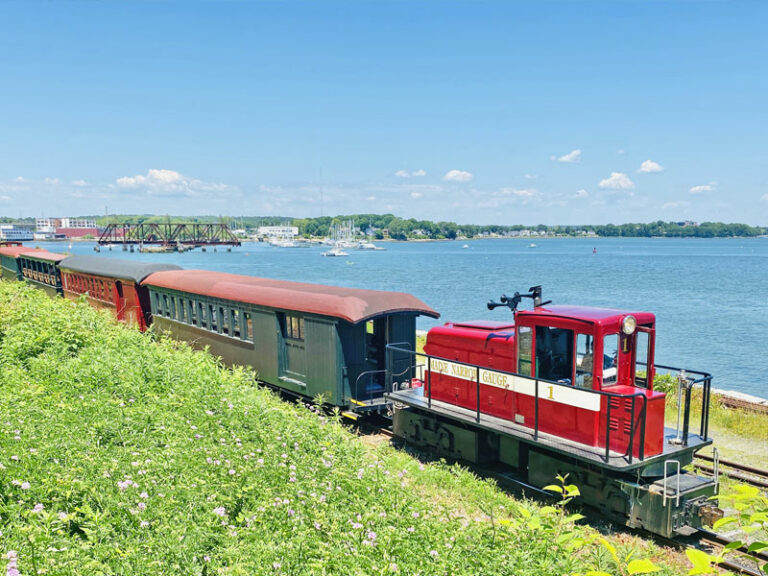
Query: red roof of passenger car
x=598 y=316
x=14 y=251
x=351 y=304
x=44 y=255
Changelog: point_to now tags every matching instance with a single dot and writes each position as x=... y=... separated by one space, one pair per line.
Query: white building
x=49 y=225
x=13 y=233
x=278 y=231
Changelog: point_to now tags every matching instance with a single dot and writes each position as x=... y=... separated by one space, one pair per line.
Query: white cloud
x=5 y=198
x=80 y=183
x=163 y=182
x=650 y=167
x=620 y=152
x=371 y=198
x=701 y=188
x=406 y=174
x=458 y=176
x=617 y=181
x=416 y=195
x=52 y=181
x=764 y=198
x=670 y=205
x=519 y=192
x=571 y=158
x=581 y=193
x=531 y=176
x=19 y=179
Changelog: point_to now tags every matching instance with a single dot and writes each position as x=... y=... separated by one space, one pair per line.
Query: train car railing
x=687 y=381
x=421 y=362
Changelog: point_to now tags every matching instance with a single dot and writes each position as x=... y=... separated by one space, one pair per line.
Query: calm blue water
x=710 y=296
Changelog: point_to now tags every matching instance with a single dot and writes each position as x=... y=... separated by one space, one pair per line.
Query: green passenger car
x=307 y=339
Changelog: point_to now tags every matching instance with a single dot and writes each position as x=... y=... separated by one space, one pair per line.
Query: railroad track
x=741 y=472
x=740 y=561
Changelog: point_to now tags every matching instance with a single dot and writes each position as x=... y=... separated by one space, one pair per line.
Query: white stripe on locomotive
x=559 y=394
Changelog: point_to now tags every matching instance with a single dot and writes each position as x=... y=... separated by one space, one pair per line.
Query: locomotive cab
x=591 y=348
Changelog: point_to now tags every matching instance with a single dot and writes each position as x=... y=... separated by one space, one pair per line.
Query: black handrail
x=704 y=379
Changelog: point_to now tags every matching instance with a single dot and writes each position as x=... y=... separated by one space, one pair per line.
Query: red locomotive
x=531 y=395
x=557 y=344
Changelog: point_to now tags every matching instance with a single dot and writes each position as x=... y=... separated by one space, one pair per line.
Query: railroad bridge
x=169 y=234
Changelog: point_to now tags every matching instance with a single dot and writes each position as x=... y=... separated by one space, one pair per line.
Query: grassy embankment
x=123 y=453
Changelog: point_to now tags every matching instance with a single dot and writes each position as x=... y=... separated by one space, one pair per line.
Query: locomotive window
x=584 y=360
x=173 y=307
x=610 y=359
x=524 y=350
x=191 y=316
x=642 y=347
x=155 y=303
x=554 y=354
x=181 y=309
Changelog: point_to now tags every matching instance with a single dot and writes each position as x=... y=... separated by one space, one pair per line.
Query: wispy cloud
x=414 y=174
x=650 y=167
x=702 y=188
x=581 y=193
x=617 y=181
x=163 y=182
x=416 y=195
x=79 y=183
x=678 y=204
x=4 y=198
x=764 y=198
x=458 y=176
x=571 y=158
x=531 y=176
x=519 y=192
x=51 y=181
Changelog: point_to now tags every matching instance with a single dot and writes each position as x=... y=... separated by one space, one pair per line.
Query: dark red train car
x=111 y=283
x=556 y=345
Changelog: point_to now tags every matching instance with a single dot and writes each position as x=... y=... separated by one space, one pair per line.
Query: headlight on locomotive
x=629 y=325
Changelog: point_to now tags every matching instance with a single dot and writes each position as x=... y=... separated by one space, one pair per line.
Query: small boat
x=368 y=246
x=334 y=252
x=465 y=246
x=531 y=245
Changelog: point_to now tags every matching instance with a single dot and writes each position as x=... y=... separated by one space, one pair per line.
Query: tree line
x=381 y=226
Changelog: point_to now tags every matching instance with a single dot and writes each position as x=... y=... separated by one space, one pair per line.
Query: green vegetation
x=126 y=453
x=749 y=515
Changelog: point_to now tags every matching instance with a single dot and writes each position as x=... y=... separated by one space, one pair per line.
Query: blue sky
x=477 y=112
